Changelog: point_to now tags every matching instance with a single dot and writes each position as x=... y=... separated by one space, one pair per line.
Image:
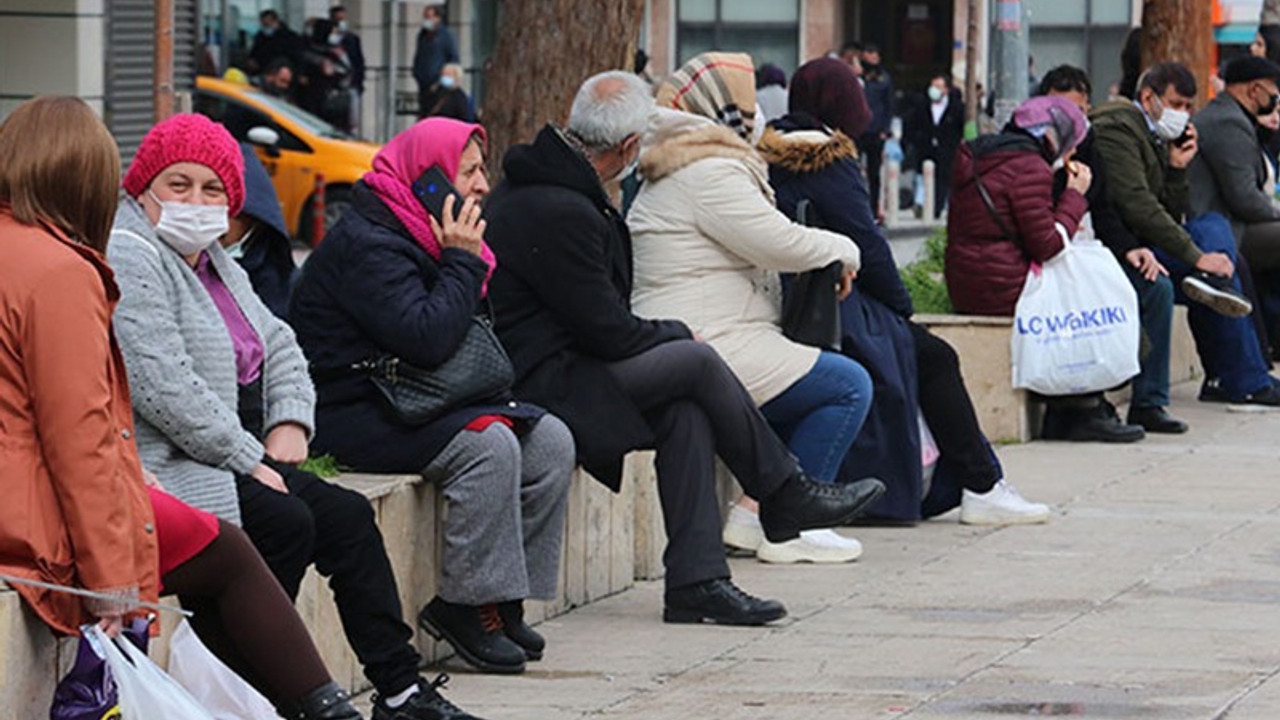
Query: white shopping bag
x=212 y=684
x=1076 y=328
x=146 y=693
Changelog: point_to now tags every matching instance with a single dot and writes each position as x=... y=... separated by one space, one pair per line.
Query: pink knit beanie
x=189 y=138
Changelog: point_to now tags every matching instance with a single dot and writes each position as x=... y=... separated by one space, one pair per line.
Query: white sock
x=398 y=700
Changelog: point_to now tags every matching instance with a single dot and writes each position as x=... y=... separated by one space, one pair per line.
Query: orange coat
x=74 y=507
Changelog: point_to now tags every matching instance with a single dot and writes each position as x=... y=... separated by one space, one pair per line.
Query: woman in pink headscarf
x=392 y=281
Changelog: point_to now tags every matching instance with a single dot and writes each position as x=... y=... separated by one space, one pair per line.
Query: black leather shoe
x=518 y=630
x=1096 y=424
x=1156 y=420
x=721 y=602
x=1217 y=292
x=476 y=633
x=802 y=504
x=327 y=702
x=426 y=704
x=1265 y=399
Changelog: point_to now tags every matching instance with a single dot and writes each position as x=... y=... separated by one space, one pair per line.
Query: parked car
x=295 y=146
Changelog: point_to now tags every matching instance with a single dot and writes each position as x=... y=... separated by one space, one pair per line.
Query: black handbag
x=811 y=303
x=477 y=372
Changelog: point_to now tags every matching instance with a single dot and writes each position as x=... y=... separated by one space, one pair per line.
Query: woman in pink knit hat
x=224 y=407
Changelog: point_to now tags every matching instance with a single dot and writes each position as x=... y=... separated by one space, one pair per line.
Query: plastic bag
x=146 y=693
x=86 y=692
x=219 y=690
x=1076 y=328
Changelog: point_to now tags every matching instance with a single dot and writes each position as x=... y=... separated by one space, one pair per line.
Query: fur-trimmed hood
x=805 y=151
x=674 y=140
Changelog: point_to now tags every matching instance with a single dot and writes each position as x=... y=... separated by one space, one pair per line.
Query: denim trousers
x=819 y=416
x=1228 y=347
x=1155 y=307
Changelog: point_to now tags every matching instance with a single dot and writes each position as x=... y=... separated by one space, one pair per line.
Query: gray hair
x=609 y=108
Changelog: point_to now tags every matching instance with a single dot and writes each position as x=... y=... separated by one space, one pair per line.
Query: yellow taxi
x=295 y=146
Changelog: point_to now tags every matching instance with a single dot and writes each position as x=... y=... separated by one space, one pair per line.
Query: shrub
x=923 y=277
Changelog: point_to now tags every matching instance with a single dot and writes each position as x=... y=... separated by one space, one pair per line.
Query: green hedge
x=923 y=277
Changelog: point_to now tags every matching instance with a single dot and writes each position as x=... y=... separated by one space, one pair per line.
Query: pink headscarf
x=433 y=141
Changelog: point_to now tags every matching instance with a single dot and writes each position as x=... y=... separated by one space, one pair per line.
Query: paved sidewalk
x=1154 y=592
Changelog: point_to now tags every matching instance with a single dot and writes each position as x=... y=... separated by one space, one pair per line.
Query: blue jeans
x=819 y=416
x=1155 y=306
x=1228 y=347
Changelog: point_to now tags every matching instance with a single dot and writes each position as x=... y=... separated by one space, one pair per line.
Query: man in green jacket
x=1147 y=145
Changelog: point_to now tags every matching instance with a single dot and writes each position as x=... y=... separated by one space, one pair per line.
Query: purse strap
x=986 y=200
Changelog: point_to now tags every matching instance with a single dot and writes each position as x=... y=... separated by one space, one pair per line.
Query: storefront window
x=767 y=29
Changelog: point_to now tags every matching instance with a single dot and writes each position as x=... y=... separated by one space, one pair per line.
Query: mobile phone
x=1183 y=139
x=431 y=188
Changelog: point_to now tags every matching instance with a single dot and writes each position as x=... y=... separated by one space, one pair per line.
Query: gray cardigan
x=182 y=366
x=1228 y=173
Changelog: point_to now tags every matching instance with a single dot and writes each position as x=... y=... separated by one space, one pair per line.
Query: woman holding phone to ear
x=392 y=280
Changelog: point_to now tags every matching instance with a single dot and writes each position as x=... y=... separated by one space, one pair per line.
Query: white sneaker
x=742 y=531
x=1002 y=505
x=813 y=546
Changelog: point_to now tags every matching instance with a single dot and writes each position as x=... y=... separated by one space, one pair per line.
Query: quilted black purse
x=811 y=303
x=479 y=371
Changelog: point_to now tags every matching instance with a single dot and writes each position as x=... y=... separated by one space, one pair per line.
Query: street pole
x=392 y=45
x=164 y=60
x=1012 y=37
x=224 y=47
x=972 y=100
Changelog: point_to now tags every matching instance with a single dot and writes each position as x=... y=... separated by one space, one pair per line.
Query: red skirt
x=181 y=530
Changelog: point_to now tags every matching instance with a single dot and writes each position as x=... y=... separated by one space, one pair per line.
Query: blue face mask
x=268 y=31
x=447 y=81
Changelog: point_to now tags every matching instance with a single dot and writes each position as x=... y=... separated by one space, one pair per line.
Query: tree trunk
x=1180 y=31
x=545 y=49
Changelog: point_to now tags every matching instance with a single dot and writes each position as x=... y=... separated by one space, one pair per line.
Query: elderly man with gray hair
x=561 y=294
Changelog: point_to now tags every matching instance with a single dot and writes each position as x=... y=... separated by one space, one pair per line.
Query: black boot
x=802 y=504
x=518 y=630
x=426 y=704
x=1089 y=424
x=718 y=601
x=1156 y=420
x=327 y=702
x=475 y=632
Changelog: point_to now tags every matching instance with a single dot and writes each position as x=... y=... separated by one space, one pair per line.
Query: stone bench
x=1006 y=414
x=598 y=560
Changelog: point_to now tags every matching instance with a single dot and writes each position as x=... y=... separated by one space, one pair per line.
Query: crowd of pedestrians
x=165 y=369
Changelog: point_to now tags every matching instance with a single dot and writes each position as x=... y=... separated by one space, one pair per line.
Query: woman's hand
x=270 y=478
x=1079 y=177
x=287 y=443
x=1145 y=262
x=111 y=624
x=464 y=233
x=846 y=284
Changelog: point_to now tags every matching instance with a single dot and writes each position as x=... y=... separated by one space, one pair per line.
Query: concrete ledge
x=1009 y=415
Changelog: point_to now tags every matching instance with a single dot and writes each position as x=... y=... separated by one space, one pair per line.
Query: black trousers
x=698 y=409
x=333 y=527
x=948 y=409
x=871 y=147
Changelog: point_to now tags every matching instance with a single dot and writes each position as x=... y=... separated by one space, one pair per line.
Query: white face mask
x=190 y=228
x=1172 y=123
x=236 y=250
x=935 y=93
x=342 y=25
x=429 y=25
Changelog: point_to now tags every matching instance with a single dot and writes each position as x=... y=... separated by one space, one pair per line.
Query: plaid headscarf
x=719 y=86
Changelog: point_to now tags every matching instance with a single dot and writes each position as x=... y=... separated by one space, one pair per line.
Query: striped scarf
x=719 y=86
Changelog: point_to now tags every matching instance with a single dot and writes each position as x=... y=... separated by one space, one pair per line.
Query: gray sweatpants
x=505 y=500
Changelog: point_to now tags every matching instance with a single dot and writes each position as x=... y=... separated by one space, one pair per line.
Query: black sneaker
x=1264 y=400
x=426 y=704
x=476 y=633
x=1211 y=391
x=1216 y=292
x=721 y=602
